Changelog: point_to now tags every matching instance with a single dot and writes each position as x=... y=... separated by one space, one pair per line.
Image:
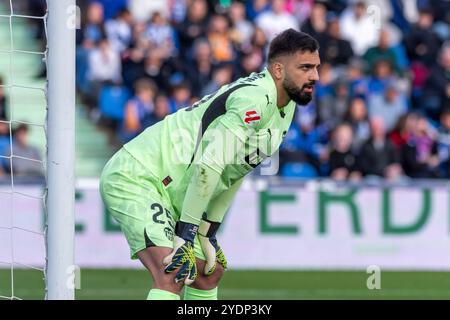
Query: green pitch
x=134 y=284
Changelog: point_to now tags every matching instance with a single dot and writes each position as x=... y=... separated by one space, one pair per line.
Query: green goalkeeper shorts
x=135 y=199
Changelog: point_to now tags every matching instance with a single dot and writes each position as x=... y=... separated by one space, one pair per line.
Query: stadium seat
x=402 y=58
x=81 y=69
x=299 y=170
x=112 y=101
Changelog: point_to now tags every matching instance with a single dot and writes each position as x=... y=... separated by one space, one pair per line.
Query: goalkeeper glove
x=208 y=241
x=182 y=256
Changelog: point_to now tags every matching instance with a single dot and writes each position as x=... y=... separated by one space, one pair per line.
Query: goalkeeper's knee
x=203 y=282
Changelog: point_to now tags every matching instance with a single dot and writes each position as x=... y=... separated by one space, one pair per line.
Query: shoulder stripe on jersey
x=215 y=110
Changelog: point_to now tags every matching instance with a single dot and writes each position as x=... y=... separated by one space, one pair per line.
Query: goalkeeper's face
x=301 y=74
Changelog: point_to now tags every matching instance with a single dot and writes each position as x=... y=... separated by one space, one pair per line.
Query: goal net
x=36 y=148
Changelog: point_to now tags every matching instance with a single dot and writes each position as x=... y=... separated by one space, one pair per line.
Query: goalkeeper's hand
x=182 y=256
x=211 y=249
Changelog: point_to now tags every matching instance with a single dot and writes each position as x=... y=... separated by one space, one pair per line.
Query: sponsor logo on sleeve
x=251 y=116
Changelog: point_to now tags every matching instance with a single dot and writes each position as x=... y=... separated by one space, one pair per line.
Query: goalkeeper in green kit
x=170 y=187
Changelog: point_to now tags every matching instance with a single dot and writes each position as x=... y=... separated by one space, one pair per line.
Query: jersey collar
x=269 y=84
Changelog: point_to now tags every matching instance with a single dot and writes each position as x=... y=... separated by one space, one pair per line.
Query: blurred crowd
x=18 y=157
x=25 y=159
x=381 y=108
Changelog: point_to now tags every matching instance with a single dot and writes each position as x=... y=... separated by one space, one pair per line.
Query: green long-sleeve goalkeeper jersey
x=227 y=134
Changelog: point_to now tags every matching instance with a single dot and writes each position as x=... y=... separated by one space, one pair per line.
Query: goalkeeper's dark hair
x=290 y=42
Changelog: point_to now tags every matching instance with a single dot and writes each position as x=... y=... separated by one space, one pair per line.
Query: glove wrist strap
x=208 y=228
x=186 y=231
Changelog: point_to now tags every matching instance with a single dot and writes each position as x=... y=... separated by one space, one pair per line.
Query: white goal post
x=60 y=149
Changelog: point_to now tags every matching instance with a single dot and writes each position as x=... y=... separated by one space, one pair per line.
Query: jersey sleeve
x=198 y=193
x=245 y=111
x=224 y=141
x=218 y=206
x=220 y=149
x=221 y=143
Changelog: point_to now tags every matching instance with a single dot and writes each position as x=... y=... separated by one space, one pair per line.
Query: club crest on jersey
x=251 y=117
x=169 y=233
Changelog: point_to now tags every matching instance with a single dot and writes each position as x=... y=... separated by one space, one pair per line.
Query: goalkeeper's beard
x=298 y=95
